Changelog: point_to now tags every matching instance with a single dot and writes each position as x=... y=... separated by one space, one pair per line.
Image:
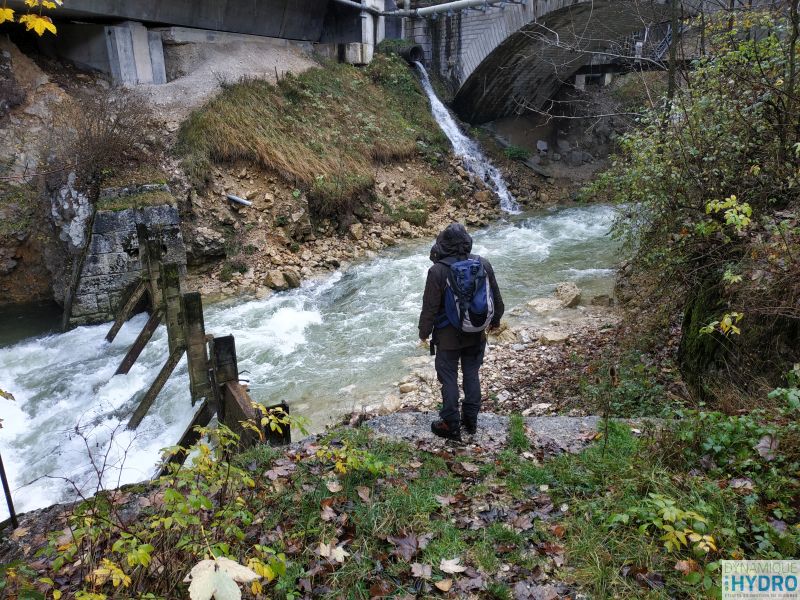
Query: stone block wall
x=112 y=265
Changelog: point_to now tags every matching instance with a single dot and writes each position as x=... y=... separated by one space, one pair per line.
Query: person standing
x=461 y=303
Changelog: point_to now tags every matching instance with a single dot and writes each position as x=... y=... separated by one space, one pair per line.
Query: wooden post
x=144 y=336
x=172 y=301
x=127 y=308
x=196 y=346
x=155 y=389
x=235 y=404
x=238 y=409
x=201 y=418
x=150 y=258
x=7 y=491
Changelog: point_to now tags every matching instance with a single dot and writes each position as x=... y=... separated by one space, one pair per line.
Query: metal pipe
x=7 y=491
x=428 y=10
x=238 y=200
x=457 y=5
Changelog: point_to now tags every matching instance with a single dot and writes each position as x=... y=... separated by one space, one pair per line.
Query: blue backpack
x=468 y=300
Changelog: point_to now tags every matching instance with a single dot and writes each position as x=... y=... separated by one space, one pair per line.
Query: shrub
x=230 y=267
x=710 y=188
x=517 y=153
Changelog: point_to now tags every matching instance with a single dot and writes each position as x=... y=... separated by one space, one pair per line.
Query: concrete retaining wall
x=112 y=263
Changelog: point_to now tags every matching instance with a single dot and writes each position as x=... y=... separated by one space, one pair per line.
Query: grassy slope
x=323 y=130
x=593 y=522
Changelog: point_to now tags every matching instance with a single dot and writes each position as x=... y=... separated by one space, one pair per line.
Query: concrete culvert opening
x=413 y=54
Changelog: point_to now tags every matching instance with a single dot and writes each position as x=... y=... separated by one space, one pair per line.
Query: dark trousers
x=447 y=372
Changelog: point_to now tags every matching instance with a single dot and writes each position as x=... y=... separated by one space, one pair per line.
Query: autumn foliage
x=33 y=20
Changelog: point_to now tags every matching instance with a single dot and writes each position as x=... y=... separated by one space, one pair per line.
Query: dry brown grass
x=323 y=130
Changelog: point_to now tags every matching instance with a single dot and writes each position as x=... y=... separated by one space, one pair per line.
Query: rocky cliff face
x=27 y=251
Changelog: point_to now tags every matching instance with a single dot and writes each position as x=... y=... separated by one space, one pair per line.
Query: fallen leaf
x=687 y=566
x=414 y=464
x=328 y=514
x=445 y=500
x=527 y=590
x=339 y=554
x=778 y=525
x=234 y=571
x=19 y=532
x=278 y=471
x=469 y=467
x=421 y=571
x=741 y=483
x=643 y=576
x=767 y=446
x=554 y=551
x=444 y=584
x=363 y=493
x=452 y=566
x=473 y=583
x=406 y=546
x=522 y=523
x=380 y=589
x=558 y=530
x=333 y=486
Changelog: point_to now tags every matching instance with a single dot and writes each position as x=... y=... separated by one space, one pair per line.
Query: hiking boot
x=443 y=430
x=470 y=426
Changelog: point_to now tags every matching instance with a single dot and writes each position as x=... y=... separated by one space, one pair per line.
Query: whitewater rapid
x=326 y=348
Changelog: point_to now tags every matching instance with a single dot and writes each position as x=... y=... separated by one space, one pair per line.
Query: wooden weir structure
x=213 y=368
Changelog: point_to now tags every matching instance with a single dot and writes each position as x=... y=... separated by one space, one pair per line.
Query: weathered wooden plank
x=201 y=418
x=224 y=363
x=125 y=312
x=150 y=258
x=196 y=346
x=7 y=491
x=141 y=341
x=237 y=407
x=155 y=389
x=173 y=305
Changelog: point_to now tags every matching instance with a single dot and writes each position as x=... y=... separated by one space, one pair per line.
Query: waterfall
x=467 y=149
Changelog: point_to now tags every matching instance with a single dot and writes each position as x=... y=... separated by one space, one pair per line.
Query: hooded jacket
x=454 y=241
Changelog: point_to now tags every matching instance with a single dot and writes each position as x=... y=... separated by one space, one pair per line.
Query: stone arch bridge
x=501 y=56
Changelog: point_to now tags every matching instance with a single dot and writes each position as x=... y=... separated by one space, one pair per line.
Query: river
x=326 y=348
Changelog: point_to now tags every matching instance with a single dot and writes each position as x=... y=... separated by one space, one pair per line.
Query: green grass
x=325 y=129
x=415 y=212
x=141 y=200
x=517 y=438
x=230 y=268
x=600 y=508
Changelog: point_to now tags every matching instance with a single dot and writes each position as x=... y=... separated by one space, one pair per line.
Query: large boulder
x=275 y=280
x=544 y=305
x=206 y=244
x=568 y=294
x=292 y=278
x=357 y=231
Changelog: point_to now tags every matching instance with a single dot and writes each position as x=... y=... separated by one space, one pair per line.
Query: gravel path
x=552 y=435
